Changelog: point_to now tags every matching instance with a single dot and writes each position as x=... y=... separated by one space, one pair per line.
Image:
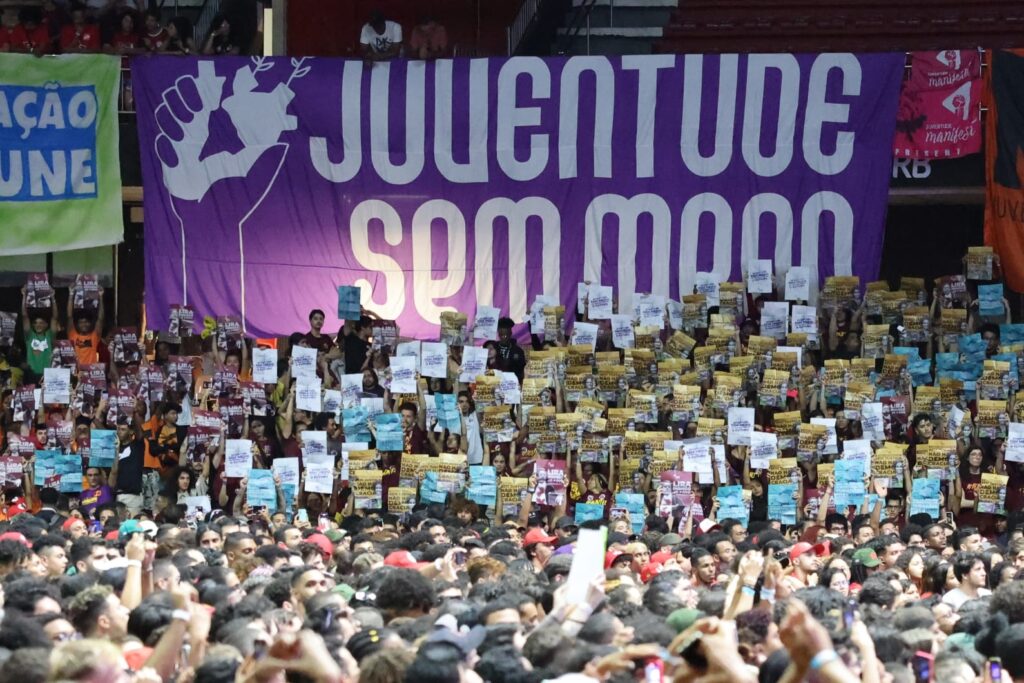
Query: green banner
x=60 y=175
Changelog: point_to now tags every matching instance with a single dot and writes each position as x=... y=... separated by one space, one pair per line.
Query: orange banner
x=1004 y=163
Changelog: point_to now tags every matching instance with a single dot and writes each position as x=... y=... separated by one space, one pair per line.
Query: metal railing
x=125 y=99
x=211 y=8
x=524 y=19
x=580 y=18
x=463 y=50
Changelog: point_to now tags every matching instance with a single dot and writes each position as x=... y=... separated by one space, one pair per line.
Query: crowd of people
x=381 y=39
x=126 y=28
x=116 y=28
x=122 y=27
x=835 y=496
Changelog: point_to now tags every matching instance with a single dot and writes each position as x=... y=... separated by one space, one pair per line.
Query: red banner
x=1004 y=163
x=940 y=106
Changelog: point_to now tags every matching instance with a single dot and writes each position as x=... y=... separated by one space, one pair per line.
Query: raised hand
x=184 y=120
x=220 y=145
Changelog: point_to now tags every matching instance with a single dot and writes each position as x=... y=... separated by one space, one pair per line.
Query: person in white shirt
x=969 y=570
x=381 y=39
x=471 y=429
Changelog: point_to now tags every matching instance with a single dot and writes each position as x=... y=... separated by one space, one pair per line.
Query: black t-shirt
x=355 y=353
x=321 y=343
x=129 y=469
x=511 y=359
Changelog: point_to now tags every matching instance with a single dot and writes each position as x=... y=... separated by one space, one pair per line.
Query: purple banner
x=438 y=186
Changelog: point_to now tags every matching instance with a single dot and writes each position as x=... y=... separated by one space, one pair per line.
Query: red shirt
x=155 y=43
x=84 y=37
x=23 y=40
x=123 y=41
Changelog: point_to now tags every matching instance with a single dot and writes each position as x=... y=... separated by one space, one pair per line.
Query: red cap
x=16 y=507
x=537 y=536
x=649 y=571
x=661 y=557
x=15 y=536
x=111 y=535
x=612 y=555
x=66 y=526
x=324 y=543
x=404 y=560
x=803 y=547
x=706 y=526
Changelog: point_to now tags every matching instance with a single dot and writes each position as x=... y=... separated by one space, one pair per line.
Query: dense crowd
x=123 y=27
x=129 y=27
x=760 y=482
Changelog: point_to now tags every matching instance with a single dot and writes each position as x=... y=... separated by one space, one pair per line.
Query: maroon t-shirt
x=416 y=441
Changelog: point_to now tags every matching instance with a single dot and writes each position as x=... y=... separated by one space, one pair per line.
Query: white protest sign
x=798 y=284
x=804 y=320
x=307 y=394
x=332 y=401
x=584 y=334
x=740 y=426
x=774 y=318
x=485 y=327
x=708 y=477
x=430 y=403
x=764 y=447
x=288 y=471
x=319 y=473
x=622 y=331
x=434 y=359
x=536 y=317
x=57 y=385
x=652 y=311
x=511 y=394
x=587 y=564
x=871 y=421
x=1015 y=442
x=474 y=363
x=351 y=386
x=264 y=366
x=708 y=285
x=237 y=458
x=303 y=362
x=403 y=374
x=198 y=505
x=374 y=407
x=600 y=302
x=314 y=442
x=697 y=455
x=759 y=276
x=858 y=449
x=409 y=348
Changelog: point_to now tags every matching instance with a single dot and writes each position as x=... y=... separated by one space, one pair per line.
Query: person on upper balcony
x=154 y=36
x=31 y=35
x=221 y=40
x=79 y=35
x=380 y=38
x=429 y=39
x=126 y=41
x=179 y=37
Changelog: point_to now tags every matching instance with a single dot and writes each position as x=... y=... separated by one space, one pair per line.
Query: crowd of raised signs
x=764 y=481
